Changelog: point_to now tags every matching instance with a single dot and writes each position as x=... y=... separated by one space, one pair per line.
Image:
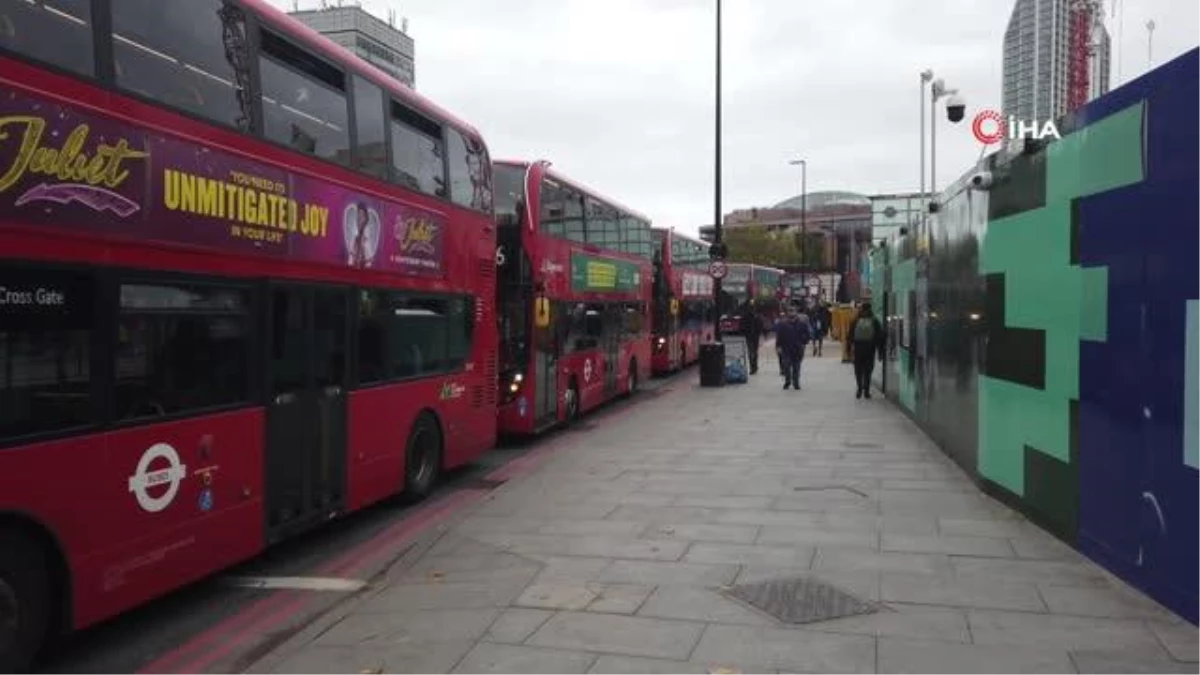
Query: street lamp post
x=803 y=222
x=718 y=234
x=926 y=76
x=937 y=91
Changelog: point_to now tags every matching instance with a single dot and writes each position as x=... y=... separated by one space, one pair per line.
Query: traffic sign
x=717 y=269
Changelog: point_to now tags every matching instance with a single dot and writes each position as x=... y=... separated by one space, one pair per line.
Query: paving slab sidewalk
x=613 y=555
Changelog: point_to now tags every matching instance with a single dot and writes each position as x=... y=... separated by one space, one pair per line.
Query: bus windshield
x=510 y=194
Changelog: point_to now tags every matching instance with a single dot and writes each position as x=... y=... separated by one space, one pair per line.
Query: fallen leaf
x=371 y=671
x=724 y=671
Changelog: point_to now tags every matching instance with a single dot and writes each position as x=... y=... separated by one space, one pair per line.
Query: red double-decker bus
x=683 y=300
x=245 y=287
x=745 y=282
x=573 y=297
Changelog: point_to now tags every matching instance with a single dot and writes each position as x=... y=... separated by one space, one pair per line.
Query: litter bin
x=712 y=364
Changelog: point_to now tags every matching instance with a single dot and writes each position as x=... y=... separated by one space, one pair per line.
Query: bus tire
x=422 y=458
x=26 y=601
x=631 y=381
x=683 y=362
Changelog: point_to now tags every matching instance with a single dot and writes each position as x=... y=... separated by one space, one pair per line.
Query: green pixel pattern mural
x=1033 y=251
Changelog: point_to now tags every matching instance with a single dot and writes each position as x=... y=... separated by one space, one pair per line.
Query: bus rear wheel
x=25 y=602
x=422 y=458
x=632 y=379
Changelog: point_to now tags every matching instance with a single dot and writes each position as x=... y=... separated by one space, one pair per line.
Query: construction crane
x=1084 y=17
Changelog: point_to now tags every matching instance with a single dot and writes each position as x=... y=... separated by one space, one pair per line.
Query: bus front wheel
x=422 y=458
x=25 y=601
x=632 y=379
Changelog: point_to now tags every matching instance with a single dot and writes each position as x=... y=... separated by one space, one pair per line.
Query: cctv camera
x=981 y=180
x=956 y=108
x=934 y=207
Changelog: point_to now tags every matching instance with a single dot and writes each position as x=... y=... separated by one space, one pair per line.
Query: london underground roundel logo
x=158 y=467
x=989 y=127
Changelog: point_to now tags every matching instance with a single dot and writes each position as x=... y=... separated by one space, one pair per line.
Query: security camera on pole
x=956 y=109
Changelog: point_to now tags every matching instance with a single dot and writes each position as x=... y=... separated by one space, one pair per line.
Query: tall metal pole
x=803 y=222
x=718 y=237
x=926 y=76
x=933 y=147
x=804 y=228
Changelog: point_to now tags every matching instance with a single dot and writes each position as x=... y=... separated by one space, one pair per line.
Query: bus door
x=305 y=464
x=545 y=368
x=614 y=318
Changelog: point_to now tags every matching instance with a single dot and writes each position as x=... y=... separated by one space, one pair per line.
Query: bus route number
x=500 y=257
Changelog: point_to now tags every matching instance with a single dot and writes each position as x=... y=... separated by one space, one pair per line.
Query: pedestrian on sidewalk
x=791 y=337
x=752 y=329
x=867 y=342
x=822 y=323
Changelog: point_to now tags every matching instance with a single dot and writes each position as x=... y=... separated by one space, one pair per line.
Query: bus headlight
x=512 y=383
x=660 y=343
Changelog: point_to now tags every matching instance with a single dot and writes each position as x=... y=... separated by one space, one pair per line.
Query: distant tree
x=755 y=244
x=810 y=250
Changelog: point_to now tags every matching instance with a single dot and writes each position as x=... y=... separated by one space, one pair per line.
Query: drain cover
x=801 y=600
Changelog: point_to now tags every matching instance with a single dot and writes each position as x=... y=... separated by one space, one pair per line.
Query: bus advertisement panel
x=230 y=322
x=573 y=297
x=683 y=300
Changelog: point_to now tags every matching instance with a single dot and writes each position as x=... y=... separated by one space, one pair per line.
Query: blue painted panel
x=1191 y=396
x=1138 y=499
x=1171 y=245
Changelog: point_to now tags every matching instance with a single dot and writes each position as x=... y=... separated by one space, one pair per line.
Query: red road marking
x=271 y=612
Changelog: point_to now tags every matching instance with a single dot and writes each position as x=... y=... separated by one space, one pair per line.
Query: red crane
x=1083 y=16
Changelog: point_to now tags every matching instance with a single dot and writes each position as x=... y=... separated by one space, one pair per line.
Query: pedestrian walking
x=791 y=338
x=867 y=342
x=752 y=329
x=822 y=320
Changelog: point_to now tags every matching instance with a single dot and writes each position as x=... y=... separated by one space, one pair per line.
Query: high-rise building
x=372 y=39
x=1037 y=59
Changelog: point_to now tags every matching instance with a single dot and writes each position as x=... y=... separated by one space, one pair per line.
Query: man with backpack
x=866 y=341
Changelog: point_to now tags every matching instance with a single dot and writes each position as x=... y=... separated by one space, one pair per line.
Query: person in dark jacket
x=866 y=342
x=791 y=337
x=751 y=328
x=821 y=319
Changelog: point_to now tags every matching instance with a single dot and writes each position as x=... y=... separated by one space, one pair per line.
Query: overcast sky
x=619 y=94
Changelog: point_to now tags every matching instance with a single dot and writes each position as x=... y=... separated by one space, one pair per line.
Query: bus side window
x=191 y=56
x=182 y=347
x=304 y=100
x=418 y=157
x=470 y=172
x=58 y=32
x=45 y=355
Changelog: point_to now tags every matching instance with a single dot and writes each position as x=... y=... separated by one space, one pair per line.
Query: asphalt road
x=163 y=635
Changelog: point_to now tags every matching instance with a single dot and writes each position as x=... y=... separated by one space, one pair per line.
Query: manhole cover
x=801 y=600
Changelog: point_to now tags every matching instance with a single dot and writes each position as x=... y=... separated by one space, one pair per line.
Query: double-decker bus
x=683 y=300
x=746 y=281
x=573 y=297
x=246 y=286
